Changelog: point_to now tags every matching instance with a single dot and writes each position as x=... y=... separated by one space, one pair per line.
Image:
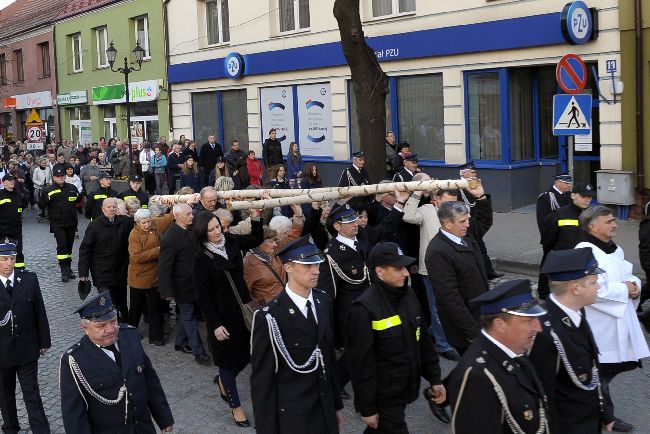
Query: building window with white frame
x=142 y=34
x=294 y=15
x=216 y=21
x=77 y=54
x=20 y=66
x=382 y=8
x=101 y=34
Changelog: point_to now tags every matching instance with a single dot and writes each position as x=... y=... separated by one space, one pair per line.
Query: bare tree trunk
x=370 y=85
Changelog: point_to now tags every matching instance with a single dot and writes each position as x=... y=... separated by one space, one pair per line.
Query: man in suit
x=24 y=337
x=355 y=174
x=107 y=381
x=387 y=345
x=293 y=376
x=565 y=354
x=494 y=388
x=409 y=170
x=208 y=157
x=457 y=274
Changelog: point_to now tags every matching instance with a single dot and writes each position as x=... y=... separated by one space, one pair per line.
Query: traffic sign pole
x=571 y=143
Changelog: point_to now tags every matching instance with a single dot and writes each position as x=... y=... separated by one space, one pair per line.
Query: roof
x=25 y=15
x=75 y=7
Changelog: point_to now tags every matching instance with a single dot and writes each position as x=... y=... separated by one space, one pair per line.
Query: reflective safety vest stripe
x=417 y=334
x=144 y=206
x=100 y=196
x=63 y=256
x=20 y=210
x=5 y=201
x=568 y=222
x=128 y=197
x=19 y=265
x=53 y=192
x=72 y=198
x=387 y=323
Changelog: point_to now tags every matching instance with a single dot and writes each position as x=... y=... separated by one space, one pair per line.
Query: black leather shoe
x=451 y=355
x=71 y=274
x=345 y=394
x=438 y=411
x=495 y=275
x=64 y=277
x=183 y=349
x=242 y=423
x=620 y=426
x=202 y=359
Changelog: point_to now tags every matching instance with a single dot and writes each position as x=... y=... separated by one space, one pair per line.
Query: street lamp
x=138 y=54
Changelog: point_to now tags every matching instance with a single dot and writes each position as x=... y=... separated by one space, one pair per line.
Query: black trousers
x=151 y=297
x=64 y=240
x=28 y=378
x=391 y=421
x=607 y=373
x=118 y=295
x=149 y=183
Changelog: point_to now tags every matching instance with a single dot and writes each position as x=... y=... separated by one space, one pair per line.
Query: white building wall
x=254 y=29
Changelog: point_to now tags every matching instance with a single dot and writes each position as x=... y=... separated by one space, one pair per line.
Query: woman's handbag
x=247 y=309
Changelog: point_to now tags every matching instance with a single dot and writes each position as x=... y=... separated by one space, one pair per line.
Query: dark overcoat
x=177 y=250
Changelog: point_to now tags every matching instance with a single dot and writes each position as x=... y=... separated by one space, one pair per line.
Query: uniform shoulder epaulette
x=270 y=305
x=480 y=359
x=321 y=292
x=73 y=348
x=542 y=194
x=127 y=326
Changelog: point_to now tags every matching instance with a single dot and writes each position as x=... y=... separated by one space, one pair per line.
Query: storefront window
x=484 y=116
x=204 y=115
x=145 y=109
x=547 y=87
x=80 y=130
x=521 y=115
x=420 y=108
x=235 y=116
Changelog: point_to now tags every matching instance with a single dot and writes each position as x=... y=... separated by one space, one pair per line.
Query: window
x=44 y=53
x=102 y=44
x=234 y=112
x=204 y=116
x=3 y=70
x=292 y=12
x=20 y=67
x=216 y=17
x=142 y=34
x=77 y=54
x=382 y=8
x=547 y=87
x=484 y=120
x=420 y=115
x=522 y=129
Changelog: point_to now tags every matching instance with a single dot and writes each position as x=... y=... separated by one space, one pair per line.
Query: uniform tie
x=356 y=245
x=10 y=287
x=310 y=315
x=113 y=349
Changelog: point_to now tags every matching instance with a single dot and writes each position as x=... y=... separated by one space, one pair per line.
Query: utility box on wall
x=615 y=187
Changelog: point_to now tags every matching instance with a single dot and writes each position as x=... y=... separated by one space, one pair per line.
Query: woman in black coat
x=228 y=337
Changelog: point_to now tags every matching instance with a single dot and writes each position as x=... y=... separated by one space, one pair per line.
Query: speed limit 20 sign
x=35 y=134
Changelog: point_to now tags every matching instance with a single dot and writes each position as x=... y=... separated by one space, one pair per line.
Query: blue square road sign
x=571 y=114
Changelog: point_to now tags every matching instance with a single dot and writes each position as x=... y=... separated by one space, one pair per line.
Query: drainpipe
x=55 y=71
x=169 y=85
x=640 y=163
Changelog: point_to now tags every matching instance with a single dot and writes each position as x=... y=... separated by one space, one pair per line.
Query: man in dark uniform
x=355 y=174
x=388 y=346
x=272 y=150
x=565 y=354
x=345 y=275
x=60 y=199
x=293 y=376
x=24 y=337
x=135 y=190
x=96 y=198
x=208 y=155
x=12 y=203
x=558 y=195
x=562 y=229
x=494 y=388
x=108 y=384
x=409 y=170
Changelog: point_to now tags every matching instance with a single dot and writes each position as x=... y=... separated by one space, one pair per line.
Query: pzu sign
x=577 y=23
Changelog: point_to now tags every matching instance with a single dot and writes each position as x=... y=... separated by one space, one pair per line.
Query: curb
x=516 y=267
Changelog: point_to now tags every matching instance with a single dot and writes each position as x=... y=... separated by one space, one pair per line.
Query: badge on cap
x=399 y=251
x=102 y=301
x=139 y=368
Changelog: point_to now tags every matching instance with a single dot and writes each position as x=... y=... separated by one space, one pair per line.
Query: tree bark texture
x=370 y=86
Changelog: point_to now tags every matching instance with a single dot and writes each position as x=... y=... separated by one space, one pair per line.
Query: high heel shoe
x=218 y=383
x=242 y=423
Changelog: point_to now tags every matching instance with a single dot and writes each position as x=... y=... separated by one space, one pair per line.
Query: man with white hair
x=207 y=200
x=177 y=250
x=104 y=254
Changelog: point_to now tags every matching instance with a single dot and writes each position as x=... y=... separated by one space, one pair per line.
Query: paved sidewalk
x=513 y=242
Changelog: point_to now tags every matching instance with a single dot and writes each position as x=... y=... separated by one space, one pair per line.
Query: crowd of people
x=328 y=302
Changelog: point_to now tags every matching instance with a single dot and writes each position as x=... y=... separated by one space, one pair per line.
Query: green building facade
x=90 y=97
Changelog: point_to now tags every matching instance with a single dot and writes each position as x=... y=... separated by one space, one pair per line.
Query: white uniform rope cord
x=79 y=378
x=8 y=317
x=275 y=335
x=344 y=277
x=553 y=200
x=512 y=423
x=595 y=380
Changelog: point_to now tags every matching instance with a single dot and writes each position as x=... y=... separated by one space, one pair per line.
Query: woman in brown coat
x=144 y=248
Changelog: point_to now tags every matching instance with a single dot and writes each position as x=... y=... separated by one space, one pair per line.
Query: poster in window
x=277 y=112
x=315 y=119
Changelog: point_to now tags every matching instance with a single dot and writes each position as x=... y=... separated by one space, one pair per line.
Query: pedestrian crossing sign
x=571 y=114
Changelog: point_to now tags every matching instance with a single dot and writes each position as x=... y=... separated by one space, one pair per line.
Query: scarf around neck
x=217 y=248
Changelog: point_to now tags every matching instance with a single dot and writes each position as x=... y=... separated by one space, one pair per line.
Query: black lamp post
x=138 y=54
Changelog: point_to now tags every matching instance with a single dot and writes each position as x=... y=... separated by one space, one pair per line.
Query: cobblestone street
x=190 y=391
